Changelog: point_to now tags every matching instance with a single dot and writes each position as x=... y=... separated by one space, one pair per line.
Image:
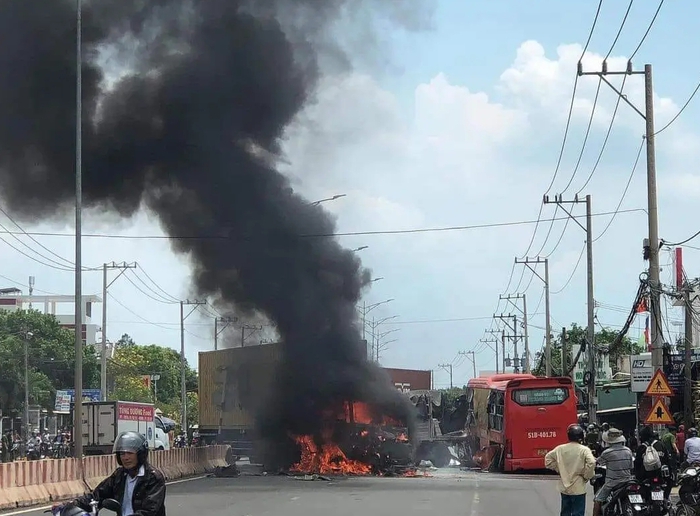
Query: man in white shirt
x=692 y=447
x=575 y=464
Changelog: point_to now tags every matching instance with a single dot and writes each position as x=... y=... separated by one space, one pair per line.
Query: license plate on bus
x=542 y=452
x=657 y=495
x=635 y=498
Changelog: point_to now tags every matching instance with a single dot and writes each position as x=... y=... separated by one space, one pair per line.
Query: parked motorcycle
x=625 y=500
x=688 y=492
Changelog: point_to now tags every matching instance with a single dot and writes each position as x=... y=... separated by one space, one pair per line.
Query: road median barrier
x=28 y=483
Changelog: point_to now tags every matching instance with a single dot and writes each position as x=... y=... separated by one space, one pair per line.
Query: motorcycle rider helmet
x=693 y=432
x=575 y=433
x=605 y=427
x=132 y=442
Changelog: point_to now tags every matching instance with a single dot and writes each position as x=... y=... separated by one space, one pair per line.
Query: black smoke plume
x=202 y=85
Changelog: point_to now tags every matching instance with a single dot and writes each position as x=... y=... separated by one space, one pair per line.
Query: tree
x=51 y=360
x=605 y=340
x=132 y=365
x=124 y=341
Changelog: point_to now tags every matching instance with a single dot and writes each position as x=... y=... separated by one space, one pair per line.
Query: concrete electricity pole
x=507 y=318
x=448 y=368
x=473 y=360
x=183 y=362
x=245 y=327
x=225 y=321
x=652 y=246
x=688 y=358
x=493 y=341
x=123 y=267
x=523 y=310
x=548 y=327
x=590 y=333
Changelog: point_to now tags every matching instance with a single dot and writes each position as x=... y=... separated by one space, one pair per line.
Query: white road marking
x=45 y=507
x=475 y=499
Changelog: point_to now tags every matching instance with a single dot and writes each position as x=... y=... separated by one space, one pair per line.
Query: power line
x=566 y=127
x=578 y=262
x=624 y=193
x=619 y=31
x=676 y=244
x=437 y=229
x=651 y=24
x=692 y=95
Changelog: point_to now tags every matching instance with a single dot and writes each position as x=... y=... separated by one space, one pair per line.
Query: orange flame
x=329 y=460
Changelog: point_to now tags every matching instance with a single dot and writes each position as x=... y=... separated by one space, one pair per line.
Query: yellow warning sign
x=658 y=386
x=659 y=415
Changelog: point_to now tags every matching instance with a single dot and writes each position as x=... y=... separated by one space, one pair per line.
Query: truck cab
x=163 y=429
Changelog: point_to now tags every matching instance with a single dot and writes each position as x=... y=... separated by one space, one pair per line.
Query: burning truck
x=235 y=386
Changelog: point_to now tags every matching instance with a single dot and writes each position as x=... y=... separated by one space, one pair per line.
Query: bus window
x=542 y=396
x=495 y=409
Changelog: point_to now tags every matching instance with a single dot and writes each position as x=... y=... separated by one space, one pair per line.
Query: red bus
x=517 y=418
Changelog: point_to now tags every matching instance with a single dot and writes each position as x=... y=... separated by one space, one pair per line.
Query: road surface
x=444 y=493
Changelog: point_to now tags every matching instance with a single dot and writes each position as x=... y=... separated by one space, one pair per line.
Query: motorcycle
x=654 y=488
x=109 y=504
x=625 y=500
x=688 y=492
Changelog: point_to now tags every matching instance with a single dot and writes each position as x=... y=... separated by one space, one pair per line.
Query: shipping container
x=410 y=379
x=233 y=383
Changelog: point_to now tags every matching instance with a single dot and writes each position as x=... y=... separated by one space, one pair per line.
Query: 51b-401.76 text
x=542 y=435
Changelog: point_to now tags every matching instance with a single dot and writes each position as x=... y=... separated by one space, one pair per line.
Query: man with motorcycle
x=138 y=486
x=619 y=461
x=644 y=470
x=576 y=465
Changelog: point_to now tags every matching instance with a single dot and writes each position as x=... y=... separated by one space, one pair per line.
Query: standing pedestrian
x=575 y=464
x=680 y=443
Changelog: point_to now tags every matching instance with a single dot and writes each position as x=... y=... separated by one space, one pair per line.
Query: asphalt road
x=443 y=493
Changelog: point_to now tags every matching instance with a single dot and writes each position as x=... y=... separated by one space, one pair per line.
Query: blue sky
x=463 y=127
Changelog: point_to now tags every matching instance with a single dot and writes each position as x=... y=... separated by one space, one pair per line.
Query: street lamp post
x=367 y=309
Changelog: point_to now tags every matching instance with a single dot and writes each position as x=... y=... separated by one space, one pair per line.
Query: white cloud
x=454 y=157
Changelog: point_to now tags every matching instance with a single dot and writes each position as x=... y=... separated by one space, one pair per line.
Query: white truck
x=103 y=421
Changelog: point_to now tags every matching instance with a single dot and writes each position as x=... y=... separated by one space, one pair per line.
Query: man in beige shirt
x=575 y=464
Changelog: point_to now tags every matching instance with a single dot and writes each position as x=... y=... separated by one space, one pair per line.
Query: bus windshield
x=540 y=396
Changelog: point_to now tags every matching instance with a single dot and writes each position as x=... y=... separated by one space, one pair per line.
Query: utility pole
x=564 y=353
x=103 y=354
x=27 y=335
x=493 y=341
x=245 y=327
x=528 y=262
x=473 y=360
x=688 y=360
x=590 y=333
x=225 y=321
x=652 y=243
x=448 y=368
x=183 y=361
x=514 y=328
x=509 y=298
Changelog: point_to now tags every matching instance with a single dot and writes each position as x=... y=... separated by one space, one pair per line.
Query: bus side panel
x=532 y=429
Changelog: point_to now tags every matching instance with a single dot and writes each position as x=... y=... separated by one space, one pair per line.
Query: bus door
x=537 y=419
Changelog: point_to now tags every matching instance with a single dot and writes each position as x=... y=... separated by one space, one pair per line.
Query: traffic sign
x=659 y=414
x=658 y=386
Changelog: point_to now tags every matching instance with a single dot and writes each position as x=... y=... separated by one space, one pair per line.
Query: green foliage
x=51 y=360
x=576 y=335
x=130 y=365
x=449 y=396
